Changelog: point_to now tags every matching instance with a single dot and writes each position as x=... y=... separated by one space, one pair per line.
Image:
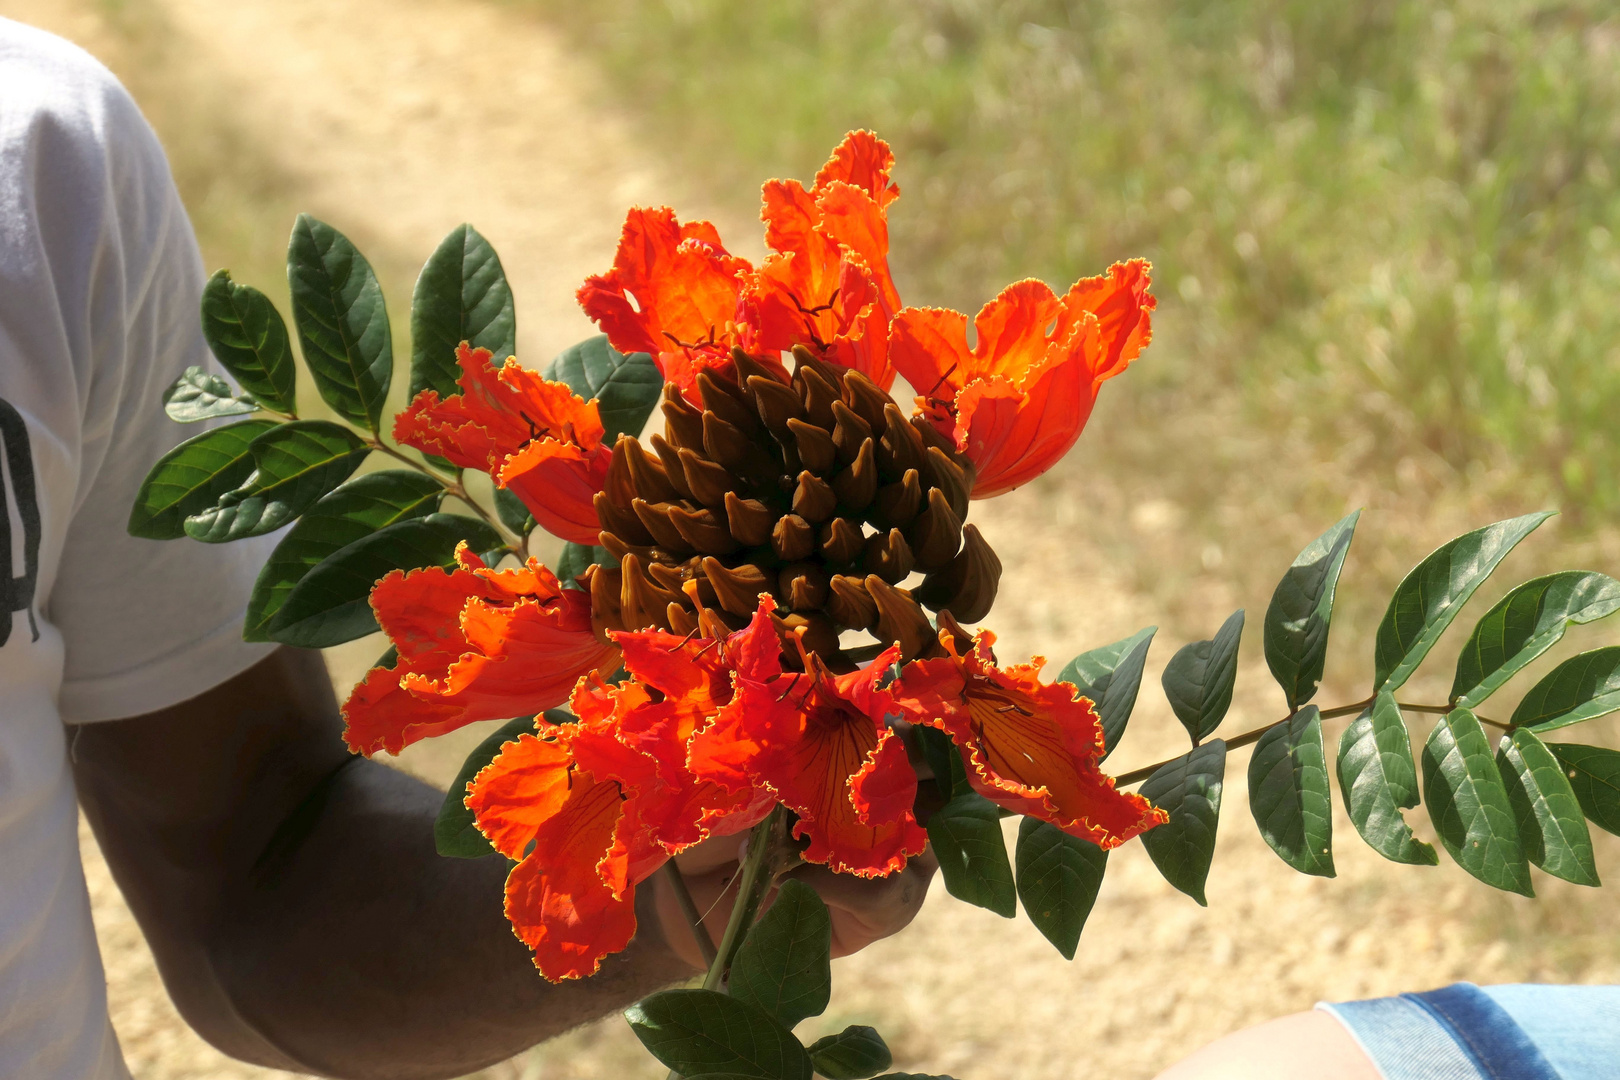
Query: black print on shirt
x=17 y=593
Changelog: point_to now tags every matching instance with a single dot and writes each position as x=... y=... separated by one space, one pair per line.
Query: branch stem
x=519 y=544
x=694 y=917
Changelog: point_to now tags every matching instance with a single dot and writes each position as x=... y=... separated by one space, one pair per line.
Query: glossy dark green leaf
x=1378 y=778
x=342 y=321
x=855 y=1053
x=1189 y=788
x=1526 y=623
x=972 y=853
x=197 y=395
x=1301 y=609
x=1552 y=828
x=454 y=833
x=1583 y=687
x=915 y=1076
x=295 y=464
x=699 y=1033
x=1430 y=596
x=785 y=964
x=355 y=510
x=192 y=477
x=1289 y=795
x=461 y=295
x=1110 y=677
x=249 y=338
x=1594 y=776
x=576 y=559
x=513 y=514
x=1469 y=804
x=1058 y=879
x=1198 y=680
x=331 y=604
x=626 y=388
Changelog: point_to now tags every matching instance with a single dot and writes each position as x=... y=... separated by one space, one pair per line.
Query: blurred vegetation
x=1392 y=224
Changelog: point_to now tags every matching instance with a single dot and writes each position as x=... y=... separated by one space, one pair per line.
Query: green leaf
x=513 y=514
x=699 y=1033
x=332 y=603
x=197 y=395
x=914 y=1076
x=1469 y=804
x=249 y=338
x=1058 y=879
x=944 y=760
x=1289 y=796
x=626 y=388
x=855 y=1053
x=1110 y=676
x=461 y=295
x=1431 y=595
x=1551 y=827
x=1378 y=777
x=1198 y=679
x=576 y=559
x=342 y=321
x=1296 y=626
x=296 y=464
x=1526 y=623
x=1594 y=776
x=785 y=964
x=192 y=477
x=966 y=834
x=355 y=510
x=1583 y=687
x=1190 y=789
x=454 y=833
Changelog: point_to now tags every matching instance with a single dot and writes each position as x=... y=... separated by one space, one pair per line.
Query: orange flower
x=674 y=291
x=823 y=744
x=1031 y=747
x=532 y=436
x=607 y=801
x=474 y=644
x=1016 y=402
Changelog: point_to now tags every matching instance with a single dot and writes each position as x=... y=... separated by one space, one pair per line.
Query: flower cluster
x=755 y=589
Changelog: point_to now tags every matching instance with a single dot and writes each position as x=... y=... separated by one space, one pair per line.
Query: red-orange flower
x=1016 y=402
x=531 y=435
x=823 y=744
x=1031 y=747
x=474 y=644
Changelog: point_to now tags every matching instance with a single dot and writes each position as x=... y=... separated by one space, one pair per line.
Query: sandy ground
x=397 y=119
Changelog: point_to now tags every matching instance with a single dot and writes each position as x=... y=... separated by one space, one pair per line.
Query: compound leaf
x=1190 y=789
x=461 y=295
x=1469 y=806
x=785 y=964
x=1583 y=687
x=192 y=477
x=197 y=395
x=1289 y=796
x=855 y=1053
x=626 y=388
x=249 y=339
x=1552 y=828
x=295 y=464
x=1594 y=776
x=454 y=832
x=966 y=834
x=1526 y=623
x=342 y=321
x=1301 y=609
x=1198 y=680
x=699 y=1033
x=1058 y=879
x=1378 y=778
x=1110 y=677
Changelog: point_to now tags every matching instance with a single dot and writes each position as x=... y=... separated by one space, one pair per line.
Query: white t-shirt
x=99 y=287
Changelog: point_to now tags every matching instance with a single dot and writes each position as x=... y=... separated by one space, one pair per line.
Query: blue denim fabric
x=1404 y=1039
x=1577 y=1028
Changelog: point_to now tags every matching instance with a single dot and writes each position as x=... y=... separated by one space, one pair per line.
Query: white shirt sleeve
x=145 y=624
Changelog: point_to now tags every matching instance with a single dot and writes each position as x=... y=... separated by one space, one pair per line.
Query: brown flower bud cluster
x=816 y=490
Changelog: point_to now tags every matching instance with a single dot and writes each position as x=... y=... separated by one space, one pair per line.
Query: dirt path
x=399 y=119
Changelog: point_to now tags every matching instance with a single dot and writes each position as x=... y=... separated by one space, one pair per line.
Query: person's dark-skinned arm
x=302 y=919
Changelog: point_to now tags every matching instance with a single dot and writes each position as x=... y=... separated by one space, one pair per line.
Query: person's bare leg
x=1305 y=1046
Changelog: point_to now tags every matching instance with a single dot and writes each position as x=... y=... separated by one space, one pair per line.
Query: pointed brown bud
x=739 y=588
x=620 y=486
x=617 y=548
x=901 y=448
x=792 y=538
x=818 y=394
x=681 y=621
x=817 y=632
x=804 y=585
x=604 y=582
x=850 y=604
x=857 y=484
x=936 y=534
x=709 y=482
x=888 y=556
x=900 y=502
x=724 y=399
x=775 y=402
x=841 y=541
x=814 y=445
x=648 y=476
x=750 y=520
x=655 y=516
x=683 y=424
x=641 y=603
x=967 y=587
x=621 y=521
x=900 y=619
x=704 y=530
x=849 y=432
x=867 y=399
x=813 y=499
x=732 y=448
x=749 y=367
x=673 y=578
x=931 y=435
x=954 y=476
x=670 y=458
